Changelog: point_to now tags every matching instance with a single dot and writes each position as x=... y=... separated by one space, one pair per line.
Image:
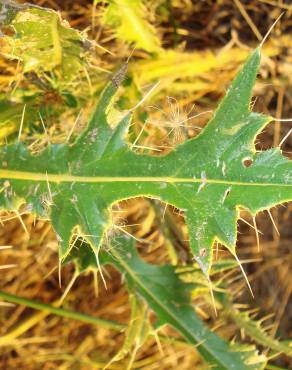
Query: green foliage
x=137 y=331
x=169 y=298
x=10 y=117
x=51 y=77
x=43 y=42
x=127 y=18
x=74 y=184
x=253 y=328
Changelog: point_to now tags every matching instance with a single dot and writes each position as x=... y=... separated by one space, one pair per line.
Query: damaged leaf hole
x=247 y=162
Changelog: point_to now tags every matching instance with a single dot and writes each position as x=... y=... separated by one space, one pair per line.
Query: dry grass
x=36 y=340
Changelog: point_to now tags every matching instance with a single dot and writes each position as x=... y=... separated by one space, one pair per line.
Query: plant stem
x=62 y=311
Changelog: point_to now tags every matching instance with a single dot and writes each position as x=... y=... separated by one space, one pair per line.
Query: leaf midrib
x=138 y=281
x=59 y=178
x=56 y=40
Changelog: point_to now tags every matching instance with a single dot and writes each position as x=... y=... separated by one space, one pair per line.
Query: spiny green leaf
x=217 y=266
x=74 y=185
x=127 y=17
x=169 y=298
x=137 y=331
x=45 y=43
x=27 y=110
x=10 y=118
x=253 y=328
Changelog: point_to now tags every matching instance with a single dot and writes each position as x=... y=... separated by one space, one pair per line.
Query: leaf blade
x=170 y=299
x=205 y=176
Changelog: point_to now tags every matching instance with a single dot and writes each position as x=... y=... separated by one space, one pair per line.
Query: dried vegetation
x=211 y=39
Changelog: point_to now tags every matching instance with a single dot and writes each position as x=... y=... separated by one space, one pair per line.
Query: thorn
x=102 y=48
x=253 y=103
x=79 y=235
x=131 y=54
x=145 y=147
x=68 y=288
x=60 y=273
x=101 y=273
x=265 y=318
x=281 y=119
x=270 y=30
x=158 y=342
x=257 y=232
x=34 y=220
x=44 y=127
x=88 y=80
x=50 y=273
x=131 y=235
x=132 y=357
x=11 y=217
x=273 y=222
x=139 y=135
x=21 y=123
x=149 y=92
x=72 y=244
x=164 y=212
x=252 y=226
x=18 y=215
x=73 y=127
x=95 y=283
x=244 y=274
x=96 y=253
x=285 y=138
x=212 y=295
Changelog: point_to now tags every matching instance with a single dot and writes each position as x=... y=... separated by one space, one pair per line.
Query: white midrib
x=186 y=329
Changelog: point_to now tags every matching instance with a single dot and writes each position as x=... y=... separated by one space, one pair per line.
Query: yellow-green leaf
x=43 y=42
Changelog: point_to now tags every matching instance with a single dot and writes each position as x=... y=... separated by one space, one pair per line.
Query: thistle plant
x=210 y=178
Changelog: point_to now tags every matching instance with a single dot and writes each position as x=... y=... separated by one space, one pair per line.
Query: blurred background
x=193 y=49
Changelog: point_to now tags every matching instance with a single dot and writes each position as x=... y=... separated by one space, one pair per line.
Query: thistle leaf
x=127 y=18
x=75 y=185
x=169 y=298
x=43 y=42
x=137 y=332
x=253 y=328
x=10 y=118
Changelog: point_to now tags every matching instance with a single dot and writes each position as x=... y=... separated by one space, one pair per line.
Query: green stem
x=78 y=316
x=273 y=367
x=61 y=311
